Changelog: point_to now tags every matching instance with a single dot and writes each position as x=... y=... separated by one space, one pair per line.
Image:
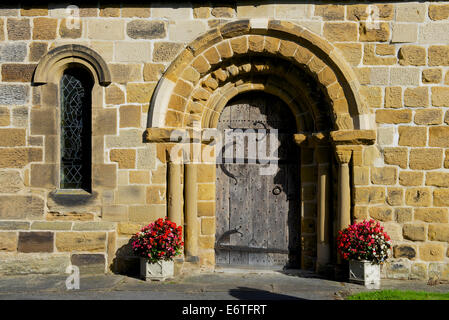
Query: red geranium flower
x=160 y=240
x=365 y=240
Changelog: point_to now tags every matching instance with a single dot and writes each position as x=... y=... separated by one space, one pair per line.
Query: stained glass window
x=76 y=88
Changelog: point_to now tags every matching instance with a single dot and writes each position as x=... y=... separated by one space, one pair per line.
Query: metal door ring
x=277 y=190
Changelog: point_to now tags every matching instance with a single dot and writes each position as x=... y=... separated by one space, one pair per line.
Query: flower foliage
x=160 y=240
x=365 y=240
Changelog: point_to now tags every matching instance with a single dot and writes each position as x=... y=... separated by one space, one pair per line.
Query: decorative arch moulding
x=195 y=69
x=72 y=53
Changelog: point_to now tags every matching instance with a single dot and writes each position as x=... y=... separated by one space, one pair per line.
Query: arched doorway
x=303 y=70
x=257 y=211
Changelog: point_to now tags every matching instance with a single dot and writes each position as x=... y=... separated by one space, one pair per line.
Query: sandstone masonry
x=397 y=61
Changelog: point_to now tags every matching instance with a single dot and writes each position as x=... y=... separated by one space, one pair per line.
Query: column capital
x=343 y=155
x=173 y=155
x=319 y=138
x=301 y=139
x=311 y=140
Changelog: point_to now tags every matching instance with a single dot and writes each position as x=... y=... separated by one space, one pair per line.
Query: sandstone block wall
x=401 y=59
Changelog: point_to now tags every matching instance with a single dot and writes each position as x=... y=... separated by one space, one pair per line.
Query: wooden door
x=257 y=215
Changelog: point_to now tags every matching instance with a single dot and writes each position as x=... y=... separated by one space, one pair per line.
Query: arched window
x=76 y=129
x=71 y=80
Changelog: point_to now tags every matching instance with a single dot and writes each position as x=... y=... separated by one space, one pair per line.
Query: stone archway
x=280 y=58
x=71 y=53
x=198 y=67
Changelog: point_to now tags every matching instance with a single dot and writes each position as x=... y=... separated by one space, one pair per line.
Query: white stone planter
x=158 y=271
x=364 y=272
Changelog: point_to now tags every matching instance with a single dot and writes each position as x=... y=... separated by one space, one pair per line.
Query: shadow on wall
x=125 y=262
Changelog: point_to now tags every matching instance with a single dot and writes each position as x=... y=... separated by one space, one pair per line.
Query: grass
x=399 y=295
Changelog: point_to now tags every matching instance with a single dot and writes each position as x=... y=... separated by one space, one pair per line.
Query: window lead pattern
x=72 y=94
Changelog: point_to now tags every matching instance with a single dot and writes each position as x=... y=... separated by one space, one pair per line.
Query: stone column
x=306 y=164
x=308 y=207
x=344 y=188
x=323 y=217
x=344 y=203
x=191 y=209
x=174 y=195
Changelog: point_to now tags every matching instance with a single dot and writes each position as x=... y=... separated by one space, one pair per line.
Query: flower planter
x=364 y=272
x=158 y=271
x=366 y=246
x=159 y=241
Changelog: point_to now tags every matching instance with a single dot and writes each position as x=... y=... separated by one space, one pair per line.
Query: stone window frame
x=45 y=121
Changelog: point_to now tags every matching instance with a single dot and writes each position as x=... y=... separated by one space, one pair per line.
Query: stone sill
x=67 y=192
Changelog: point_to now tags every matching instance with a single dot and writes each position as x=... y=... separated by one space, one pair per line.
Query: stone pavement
x=237 y=285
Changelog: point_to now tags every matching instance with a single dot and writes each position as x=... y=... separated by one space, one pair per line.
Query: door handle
x=277 y=190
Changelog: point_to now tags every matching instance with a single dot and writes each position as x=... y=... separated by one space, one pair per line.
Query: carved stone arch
x=69 y=54
x=282 y=59
x=221 y=96
x=198 y=63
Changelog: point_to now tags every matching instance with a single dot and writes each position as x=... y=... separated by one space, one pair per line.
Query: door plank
x=258 y=191
x=294 y=218
x=222 y=213
x=239 y=213
x=278 y=212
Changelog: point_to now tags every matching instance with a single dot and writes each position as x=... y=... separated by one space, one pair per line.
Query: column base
x=326 y=270
x=179 y=261
x=193 y=259
x=342 y=271
x=323 y=264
